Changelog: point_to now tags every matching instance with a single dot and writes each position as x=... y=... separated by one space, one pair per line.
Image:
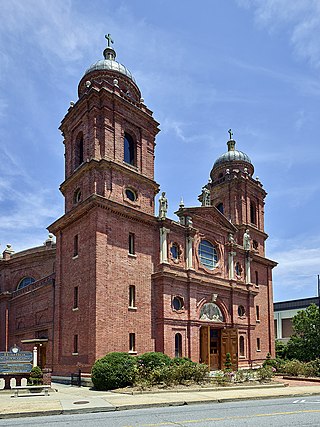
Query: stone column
x=231 y=264
x=189 y=244
x=164 y=245
x=248 y=268
x=35 y=357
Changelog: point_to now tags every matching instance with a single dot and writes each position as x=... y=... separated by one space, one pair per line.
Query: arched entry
x=216 y=340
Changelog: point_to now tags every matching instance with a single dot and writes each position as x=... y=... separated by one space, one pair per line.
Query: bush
x=115 y=370
x=294 y=368
x=315 y=364
x=265 y=373
x=281 y=350
x=150 y=368
x=35 y=376
x=228 y=363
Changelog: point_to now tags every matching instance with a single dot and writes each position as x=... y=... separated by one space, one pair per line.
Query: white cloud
x=300 y=19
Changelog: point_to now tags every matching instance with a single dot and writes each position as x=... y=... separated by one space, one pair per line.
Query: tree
x=304 y=344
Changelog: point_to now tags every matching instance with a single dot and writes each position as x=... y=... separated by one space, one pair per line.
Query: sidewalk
x=67 y=399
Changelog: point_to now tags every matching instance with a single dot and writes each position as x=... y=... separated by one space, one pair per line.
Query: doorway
x=215 y=344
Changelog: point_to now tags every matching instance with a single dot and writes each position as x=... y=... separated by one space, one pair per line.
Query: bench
x=18 y=388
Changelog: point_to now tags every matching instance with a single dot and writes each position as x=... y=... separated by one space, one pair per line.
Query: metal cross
x=230 y=133
x=108 y=37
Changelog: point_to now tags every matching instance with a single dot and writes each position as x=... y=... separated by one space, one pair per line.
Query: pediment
x=210 y=215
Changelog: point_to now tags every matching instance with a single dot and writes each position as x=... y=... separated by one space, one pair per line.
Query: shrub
x=316 y=367
x=265 y=373
x=294 y=368
x=35 y=376
x=270 y=362
x=228 y=363
x=150 y=368
x=115 y=370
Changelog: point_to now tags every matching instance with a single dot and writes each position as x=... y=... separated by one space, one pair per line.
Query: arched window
x=241 y=346
x=26 y=281
x=175 y=251
x=220 y=207
x=253 y=213
x=178 y=345
x=129 y=149
x=78 y=153
x=208 y=254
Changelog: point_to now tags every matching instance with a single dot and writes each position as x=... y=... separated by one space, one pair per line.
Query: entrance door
x=229 y=344
x=210 y=344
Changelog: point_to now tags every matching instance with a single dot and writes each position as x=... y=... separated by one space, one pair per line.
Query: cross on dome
x=109 y=39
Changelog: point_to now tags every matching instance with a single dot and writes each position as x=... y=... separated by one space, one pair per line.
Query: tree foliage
x=304 y=344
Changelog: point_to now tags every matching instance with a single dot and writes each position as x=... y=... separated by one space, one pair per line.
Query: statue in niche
x=230 y=238
x=246 y=240
x=163 y=206
x=210 y=311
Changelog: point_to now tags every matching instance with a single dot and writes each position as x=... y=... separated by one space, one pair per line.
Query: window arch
x=208 y=254
x=78 y=152
x=178 y=345
x=26 y=281
x=253 y=213
x=241 y=345
x=129 y=155
x=220 y=207
x=77 y=196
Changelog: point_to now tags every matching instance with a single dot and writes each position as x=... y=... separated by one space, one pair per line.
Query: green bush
x=228 y=363
x=150 y=368
x=35 y=376
x=265 y=373
x=115 y=370
x=294 y=368
x=315 y=364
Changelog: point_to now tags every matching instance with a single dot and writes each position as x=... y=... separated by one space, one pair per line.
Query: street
x=303 y=411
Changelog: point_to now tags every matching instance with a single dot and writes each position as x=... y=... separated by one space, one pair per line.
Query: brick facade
x=118 y=277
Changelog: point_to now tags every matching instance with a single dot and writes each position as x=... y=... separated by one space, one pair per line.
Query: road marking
x=239 y=417
x=299 y=401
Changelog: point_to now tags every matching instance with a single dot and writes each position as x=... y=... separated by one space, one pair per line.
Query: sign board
x=15 y=361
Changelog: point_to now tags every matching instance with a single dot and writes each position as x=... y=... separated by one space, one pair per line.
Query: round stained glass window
x=207 y=254
x=131 y=195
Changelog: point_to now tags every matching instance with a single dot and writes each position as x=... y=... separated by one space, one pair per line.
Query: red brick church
x=120 y=277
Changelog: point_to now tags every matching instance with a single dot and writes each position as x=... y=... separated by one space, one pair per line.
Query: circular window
x=177 y=303
x=241 y=310
x=207 y=254
x=77 y=196
x=131 y=195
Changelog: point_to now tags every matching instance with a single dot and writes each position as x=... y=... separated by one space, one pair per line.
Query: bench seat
x=41 y=387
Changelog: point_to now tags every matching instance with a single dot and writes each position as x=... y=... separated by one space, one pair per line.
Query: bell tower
x=104 y=239
x=109 y=137
x=238 y=195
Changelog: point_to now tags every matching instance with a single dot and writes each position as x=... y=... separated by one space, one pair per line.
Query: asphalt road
x=304 y=411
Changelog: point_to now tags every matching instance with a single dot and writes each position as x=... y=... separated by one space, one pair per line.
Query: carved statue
x=246 y=240
x=205 y=196
x=163 y=206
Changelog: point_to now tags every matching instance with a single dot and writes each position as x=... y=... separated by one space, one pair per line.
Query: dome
x=230 y=156
x=109 y=64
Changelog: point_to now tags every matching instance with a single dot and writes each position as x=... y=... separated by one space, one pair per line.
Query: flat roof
x=295 y=304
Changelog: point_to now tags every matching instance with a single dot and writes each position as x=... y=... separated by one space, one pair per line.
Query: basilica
x=122 y=276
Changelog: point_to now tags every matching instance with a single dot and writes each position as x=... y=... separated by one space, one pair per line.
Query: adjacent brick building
x=119 y=277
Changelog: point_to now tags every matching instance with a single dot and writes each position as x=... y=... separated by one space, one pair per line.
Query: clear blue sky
x=202 y=67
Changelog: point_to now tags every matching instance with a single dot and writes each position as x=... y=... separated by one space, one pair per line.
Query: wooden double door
x=215 y=344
